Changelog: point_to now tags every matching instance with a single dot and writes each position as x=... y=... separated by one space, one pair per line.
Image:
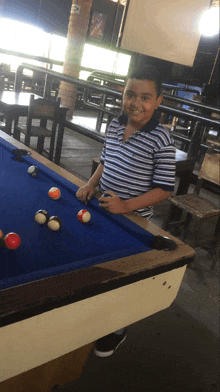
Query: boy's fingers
x=112 y=194
x=81 y=196
x=89 y=195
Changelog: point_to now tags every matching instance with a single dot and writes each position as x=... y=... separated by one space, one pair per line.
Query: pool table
x=61 y=290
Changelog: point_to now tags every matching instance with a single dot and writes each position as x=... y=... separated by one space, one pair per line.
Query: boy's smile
x=140 y=101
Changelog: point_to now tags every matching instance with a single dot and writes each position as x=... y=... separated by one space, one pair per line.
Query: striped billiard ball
x=54 y=223
x=41 y=217
x=33 y=171
x=54 y=193
x=84 y=216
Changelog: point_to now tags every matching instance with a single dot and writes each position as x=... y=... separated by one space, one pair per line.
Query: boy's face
x=140 y=101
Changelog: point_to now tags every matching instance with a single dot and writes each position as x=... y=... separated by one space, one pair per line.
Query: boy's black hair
x=147 y=73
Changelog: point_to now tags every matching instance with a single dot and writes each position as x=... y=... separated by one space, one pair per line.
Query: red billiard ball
x=54 y=193
x=12 y=240
x=54 y=223
x=84 y=216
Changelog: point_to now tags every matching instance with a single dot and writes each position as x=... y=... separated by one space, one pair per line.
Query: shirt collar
x=151 y=124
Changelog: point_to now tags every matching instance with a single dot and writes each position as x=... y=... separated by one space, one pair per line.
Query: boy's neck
x=137 y=125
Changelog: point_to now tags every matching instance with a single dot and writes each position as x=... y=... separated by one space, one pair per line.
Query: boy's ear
x=159 y=100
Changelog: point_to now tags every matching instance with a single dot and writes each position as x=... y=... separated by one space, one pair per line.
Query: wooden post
x=76 y=36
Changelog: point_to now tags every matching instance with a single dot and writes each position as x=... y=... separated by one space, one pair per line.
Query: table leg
x=176 y=212
x=184 y=182
x=99 y=121
x=43 y=378
x=60 y=134
x=8 y=123
x=16 y=134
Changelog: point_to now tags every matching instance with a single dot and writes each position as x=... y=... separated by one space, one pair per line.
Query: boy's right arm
x=87 y=191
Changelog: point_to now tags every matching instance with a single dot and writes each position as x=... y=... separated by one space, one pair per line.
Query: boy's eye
x=129 y=95
x=145 y=98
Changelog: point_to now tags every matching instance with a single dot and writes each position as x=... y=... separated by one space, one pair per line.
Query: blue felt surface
x=45 y=253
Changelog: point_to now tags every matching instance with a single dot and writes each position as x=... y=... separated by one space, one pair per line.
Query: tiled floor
x=175 y=350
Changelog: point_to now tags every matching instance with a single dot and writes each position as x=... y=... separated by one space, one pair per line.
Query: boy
x=137 y=165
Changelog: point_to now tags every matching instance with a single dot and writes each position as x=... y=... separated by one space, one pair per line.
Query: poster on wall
x=97 y=26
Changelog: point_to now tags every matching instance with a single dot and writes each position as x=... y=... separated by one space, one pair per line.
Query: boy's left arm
x=115 y=205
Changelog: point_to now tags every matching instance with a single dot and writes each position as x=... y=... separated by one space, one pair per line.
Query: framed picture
x=97 y=26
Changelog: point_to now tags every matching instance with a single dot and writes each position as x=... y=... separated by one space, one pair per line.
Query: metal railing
x=105 y=95
x=192 y=104
x=31 y=57
x=52 y=75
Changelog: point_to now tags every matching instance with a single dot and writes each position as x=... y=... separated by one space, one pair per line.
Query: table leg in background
x=16 y=134
x=176 y=212
x=8 y=123
x=60 y=135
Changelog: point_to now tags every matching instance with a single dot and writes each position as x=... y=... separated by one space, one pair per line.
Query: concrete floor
x=175 y=350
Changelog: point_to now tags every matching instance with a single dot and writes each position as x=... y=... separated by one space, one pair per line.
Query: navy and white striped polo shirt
x=146 y=160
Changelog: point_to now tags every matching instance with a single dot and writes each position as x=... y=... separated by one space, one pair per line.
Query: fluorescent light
x=209 y=22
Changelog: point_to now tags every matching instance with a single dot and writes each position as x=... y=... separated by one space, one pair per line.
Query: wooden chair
x=2 y=81
x=199 y=207
x=2 y=124
x=40 y=109
x=1 y=114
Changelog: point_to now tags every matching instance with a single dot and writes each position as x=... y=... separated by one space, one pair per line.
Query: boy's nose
x=136 y=101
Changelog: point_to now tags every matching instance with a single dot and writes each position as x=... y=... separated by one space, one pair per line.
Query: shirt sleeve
x=102 y=159
x=165 y=168
x=111 y=128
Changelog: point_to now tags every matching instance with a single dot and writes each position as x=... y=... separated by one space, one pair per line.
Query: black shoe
x=107 y=345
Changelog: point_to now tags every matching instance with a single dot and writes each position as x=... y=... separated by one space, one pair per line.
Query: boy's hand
x=85 y=192
x=113 y=203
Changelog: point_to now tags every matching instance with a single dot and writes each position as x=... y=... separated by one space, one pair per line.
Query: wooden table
x=48 y=325
x=13 y=105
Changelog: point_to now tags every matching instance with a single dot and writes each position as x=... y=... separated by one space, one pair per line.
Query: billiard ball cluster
x=54 y=223
x=13 y=241
x=10 y=240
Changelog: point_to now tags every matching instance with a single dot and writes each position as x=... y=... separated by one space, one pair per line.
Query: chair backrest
x=2 y=83
x=42 y=108
x=5 y=68
x=210 y=169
